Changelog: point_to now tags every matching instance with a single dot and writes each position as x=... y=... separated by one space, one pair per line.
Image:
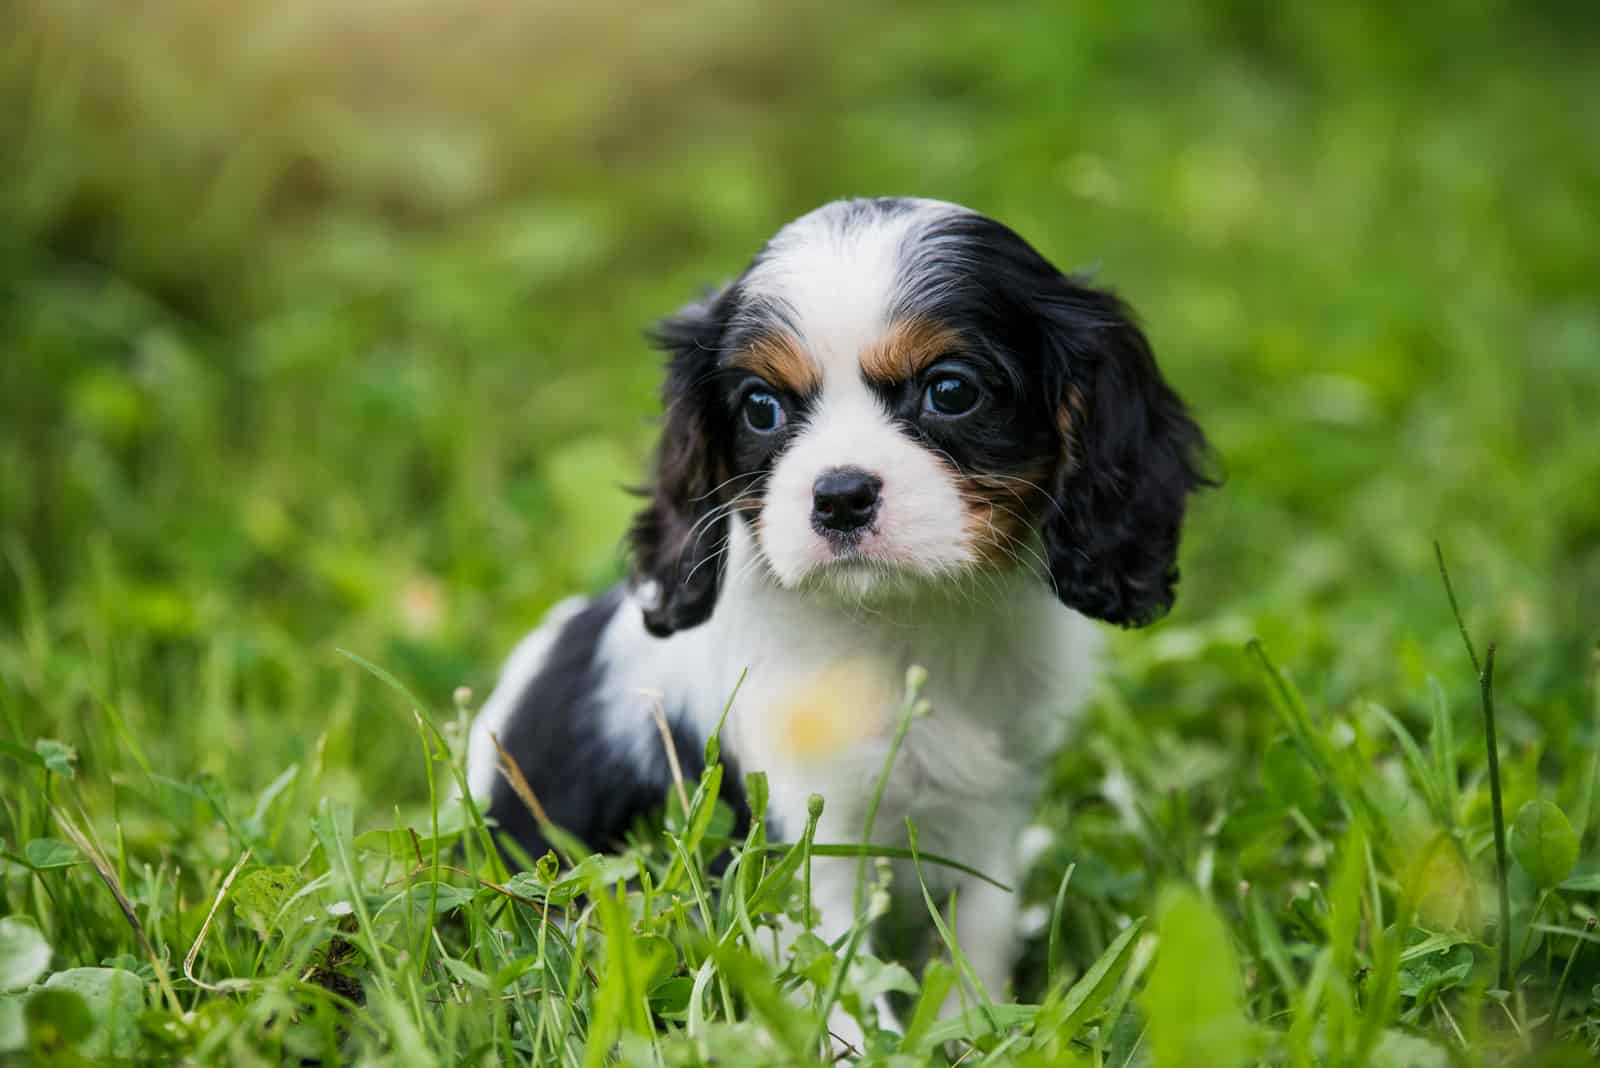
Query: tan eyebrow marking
x=907 y=347
x=780 y=360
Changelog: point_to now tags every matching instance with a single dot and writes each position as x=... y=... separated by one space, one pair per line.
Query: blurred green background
x=321 y=326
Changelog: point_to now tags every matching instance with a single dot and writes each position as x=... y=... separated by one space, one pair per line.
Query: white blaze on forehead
x=838 y=273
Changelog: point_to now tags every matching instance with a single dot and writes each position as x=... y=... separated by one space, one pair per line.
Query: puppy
x=900 y=437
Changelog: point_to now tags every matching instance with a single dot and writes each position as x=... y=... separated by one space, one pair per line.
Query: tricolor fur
x=899 y=437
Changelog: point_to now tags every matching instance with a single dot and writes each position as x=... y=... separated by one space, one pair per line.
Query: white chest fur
x=824 y=688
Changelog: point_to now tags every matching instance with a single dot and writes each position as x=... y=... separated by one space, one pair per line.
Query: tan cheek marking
x=907 y=347
x=842 y=705
x=1001 y=511
x=781 y=361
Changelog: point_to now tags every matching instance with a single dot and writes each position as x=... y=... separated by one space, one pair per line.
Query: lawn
x=322 y=373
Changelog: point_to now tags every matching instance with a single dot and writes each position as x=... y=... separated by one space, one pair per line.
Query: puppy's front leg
x=833 y=893
x=986 y=923
x=986 y=926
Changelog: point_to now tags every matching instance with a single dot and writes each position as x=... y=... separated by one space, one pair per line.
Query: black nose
x=844 y=499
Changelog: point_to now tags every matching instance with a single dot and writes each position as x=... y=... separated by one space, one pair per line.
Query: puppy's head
x=897 y=393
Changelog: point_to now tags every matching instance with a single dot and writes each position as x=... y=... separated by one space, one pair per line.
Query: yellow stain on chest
x=846 y=703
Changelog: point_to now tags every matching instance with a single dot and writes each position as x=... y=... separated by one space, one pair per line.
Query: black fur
x=586 y=785
x=707 y=458
x=1132 y=454
x=1133 y=458
x=678 y=552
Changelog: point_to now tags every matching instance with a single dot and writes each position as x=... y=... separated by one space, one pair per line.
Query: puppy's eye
x=763 y=412
x=950 y=395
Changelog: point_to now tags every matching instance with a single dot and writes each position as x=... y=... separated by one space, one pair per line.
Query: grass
x=319 y=336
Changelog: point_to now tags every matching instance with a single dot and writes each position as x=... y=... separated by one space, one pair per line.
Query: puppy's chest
x=823 y=714
x=823 y=692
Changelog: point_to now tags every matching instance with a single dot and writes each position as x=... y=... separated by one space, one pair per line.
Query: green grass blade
x=1057 y=915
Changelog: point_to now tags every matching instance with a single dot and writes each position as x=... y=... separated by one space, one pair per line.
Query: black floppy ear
x=1130 y=458
x=678 y=550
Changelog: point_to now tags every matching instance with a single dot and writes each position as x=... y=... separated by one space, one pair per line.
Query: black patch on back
x=588 y=785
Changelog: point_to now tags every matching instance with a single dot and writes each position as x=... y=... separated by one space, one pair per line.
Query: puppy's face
x=896 y=393
x=883 y=434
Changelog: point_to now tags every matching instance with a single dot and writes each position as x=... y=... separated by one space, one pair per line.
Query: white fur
x=839 y=282
x=920 y=526
x=839 y=285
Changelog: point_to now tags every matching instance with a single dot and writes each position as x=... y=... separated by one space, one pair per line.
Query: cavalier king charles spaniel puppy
x=901 y=437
